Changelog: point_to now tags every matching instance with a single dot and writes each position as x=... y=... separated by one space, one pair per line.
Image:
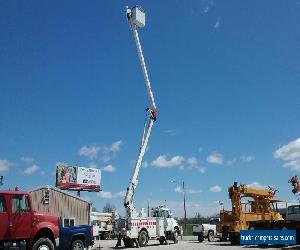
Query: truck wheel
x=106 y=236
x=143 y=238
x=161 y=240
x=211 y=236
x=224 y=236
x=175 y=236
x=200 y=238
x=234 y=238
x=43 y=244
x=77 y=245
x=128 y=242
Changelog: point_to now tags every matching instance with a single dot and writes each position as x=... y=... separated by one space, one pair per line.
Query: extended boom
x=136 y=18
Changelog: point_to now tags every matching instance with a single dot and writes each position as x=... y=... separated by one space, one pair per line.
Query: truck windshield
x=162 y=213
x=20 y=204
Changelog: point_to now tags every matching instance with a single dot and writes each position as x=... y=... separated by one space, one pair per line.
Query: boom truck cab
x=170 y=224
x=23 y=228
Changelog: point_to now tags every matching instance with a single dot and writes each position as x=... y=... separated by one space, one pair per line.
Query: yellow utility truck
x=248 y=205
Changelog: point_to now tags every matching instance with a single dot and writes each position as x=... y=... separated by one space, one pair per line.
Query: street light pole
x=183 y=190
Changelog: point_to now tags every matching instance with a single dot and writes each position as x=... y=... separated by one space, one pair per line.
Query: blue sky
x=225 y=77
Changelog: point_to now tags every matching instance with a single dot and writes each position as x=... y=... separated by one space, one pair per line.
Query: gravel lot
x=188 y=242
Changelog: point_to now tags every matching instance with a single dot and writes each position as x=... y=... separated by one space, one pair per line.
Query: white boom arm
x=128 y=201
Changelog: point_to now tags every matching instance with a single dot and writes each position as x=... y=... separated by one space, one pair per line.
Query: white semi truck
x=160 y=225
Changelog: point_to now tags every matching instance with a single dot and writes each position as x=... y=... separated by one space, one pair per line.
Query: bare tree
x=94 y=209
x=109 y=208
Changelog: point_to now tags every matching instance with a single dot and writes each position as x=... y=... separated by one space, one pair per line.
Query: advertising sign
x=77 y=178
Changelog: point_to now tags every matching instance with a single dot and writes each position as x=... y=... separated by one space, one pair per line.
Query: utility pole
x=1 y=180
x=183 y=190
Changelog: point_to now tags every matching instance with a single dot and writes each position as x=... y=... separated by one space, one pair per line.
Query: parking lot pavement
x=188 y=243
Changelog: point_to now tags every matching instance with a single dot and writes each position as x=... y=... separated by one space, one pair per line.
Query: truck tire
x=211 y=236
x=77 y=245
x=128 y=242
x=224 y=236
x=143 y=238
x=161 y=240
x=43 y=244
x=234 y=238
x=200 y=238
x=106 y=236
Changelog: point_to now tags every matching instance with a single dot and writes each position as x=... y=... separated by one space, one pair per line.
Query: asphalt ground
x=189 y=243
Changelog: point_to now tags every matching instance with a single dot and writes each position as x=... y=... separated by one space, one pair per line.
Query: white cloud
x=87 y=198
x=30 y=170
x=170 y=132
x=5 y=165
x=215 y=158
x=217 y=24
x=106 y=158
x=105 y=195
x=206 y=5
x=193 y=191
x=109 y=168
x=145 y=164
x=201 y=170
x=247 y=158
x=163 y=162
x=181 y=167
x=290 y=154
x=257 y=185
x=120 y=194
x=107 y=152
x=178 y=189
x=215 y=189
x=27 y=159
x=116 y=146
x=110 y=195
x=192 y=161
x=230 y=162
x=89 y=151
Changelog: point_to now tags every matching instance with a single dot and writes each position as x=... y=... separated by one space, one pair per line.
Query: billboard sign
x=77 y=178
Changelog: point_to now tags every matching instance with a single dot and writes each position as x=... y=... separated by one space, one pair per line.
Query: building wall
x=62 y=205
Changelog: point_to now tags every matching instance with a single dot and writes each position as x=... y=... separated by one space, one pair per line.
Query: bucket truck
x=139 y=228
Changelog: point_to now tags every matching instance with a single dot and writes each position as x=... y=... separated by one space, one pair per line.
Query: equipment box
x=138 y=16
x=160 y=228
